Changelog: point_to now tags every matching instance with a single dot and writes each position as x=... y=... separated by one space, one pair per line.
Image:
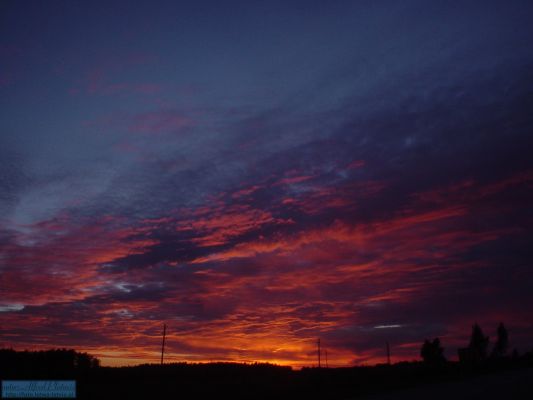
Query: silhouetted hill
x=233 y=380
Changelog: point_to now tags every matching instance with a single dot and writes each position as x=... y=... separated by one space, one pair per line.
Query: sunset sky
x=258 y=174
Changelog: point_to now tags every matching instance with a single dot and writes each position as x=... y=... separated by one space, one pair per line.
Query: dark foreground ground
x=517 y=384
x=497 y=379
x=497 y=385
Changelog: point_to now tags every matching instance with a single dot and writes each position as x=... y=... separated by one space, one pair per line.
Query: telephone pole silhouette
x=318 y=351
x=163 y=346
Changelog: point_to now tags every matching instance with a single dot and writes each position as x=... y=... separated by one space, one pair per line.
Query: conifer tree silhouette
x=432 y=352
x=502 y=342
x=478 y=344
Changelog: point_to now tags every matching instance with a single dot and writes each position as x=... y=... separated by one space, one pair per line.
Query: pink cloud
x=266 y=299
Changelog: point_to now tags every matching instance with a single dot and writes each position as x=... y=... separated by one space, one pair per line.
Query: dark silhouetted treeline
x=56 y=362
x=495 y=374
x=243 y=381
x=477 y=351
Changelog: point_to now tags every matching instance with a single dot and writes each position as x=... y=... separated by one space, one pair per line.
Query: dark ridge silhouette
x=489 y=378
x=266 y=381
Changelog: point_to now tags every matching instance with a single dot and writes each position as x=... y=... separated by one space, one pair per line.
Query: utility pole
x=318 y=351
x=163 y=346
x=388 y=353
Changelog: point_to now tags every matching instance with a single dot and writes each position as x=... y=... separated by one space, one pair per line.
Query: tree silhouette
x=58 y=362
x=478 y=344
x=432 y=352
x=502 y=342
